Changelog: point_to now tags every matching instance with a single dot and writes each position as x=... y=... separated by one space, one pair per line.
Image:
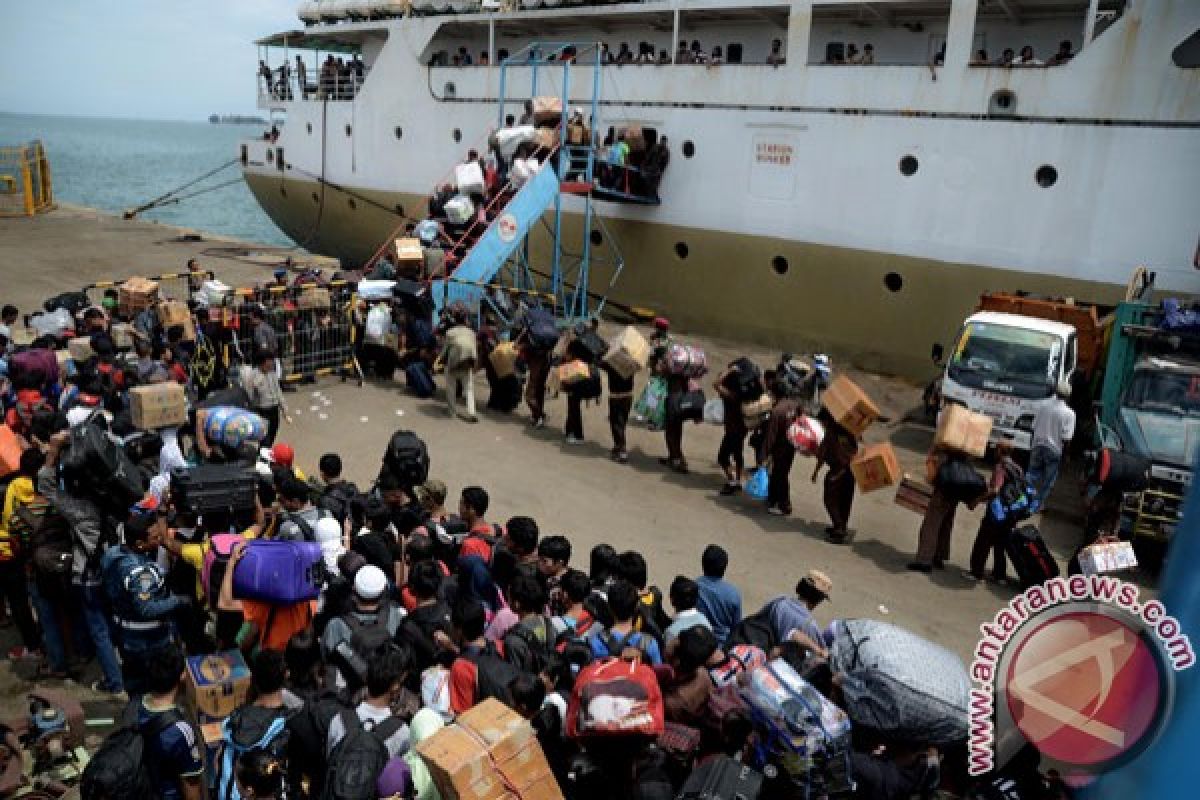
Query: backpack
x=618 y=647
x=216 y=562
x=615 y=698
x=249 y=728
x=407 y=458
x=119 y=770
x=650 y=617
x=74 y=302
x=539 y=651
x=540 y=329
x=355 y=764
x=308 y=733
x=95 y=466
x=343 y=501
x=369 y=636
x=49 y=535
x=745 y=381
x=755 y=630
x=493 y=675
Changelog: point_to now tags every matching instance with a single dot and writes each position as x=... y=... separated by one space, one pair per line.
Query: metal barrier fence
x=171 y=285
x=313 y=325
x=25 y=185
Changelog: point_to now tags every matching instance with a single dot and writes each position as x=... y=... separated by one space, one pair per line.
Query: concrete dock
x=577 y=490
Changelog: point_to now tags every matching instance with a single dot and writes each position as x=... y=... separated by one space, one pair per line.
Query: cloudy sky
x=151 y=59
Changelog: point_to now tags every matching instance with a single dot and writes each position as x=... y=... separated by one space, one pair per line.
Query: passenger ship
x=816 y=203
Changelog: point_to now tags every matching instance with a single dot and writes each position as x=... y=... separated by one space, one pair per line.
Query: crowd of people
x=426 y=605
x=337 y=79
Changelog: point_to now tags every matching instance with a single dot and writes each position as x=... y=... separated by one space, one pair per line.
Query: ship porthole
x=348 y=130
x=681 y=250
x=1046 y=176
x=399 y=132
x=350 y=202
x=457 y=135
x=597 y=238
x=689 y=149
x=908 y=166
x=893 y=281
x=780 y=265
x=308 y=127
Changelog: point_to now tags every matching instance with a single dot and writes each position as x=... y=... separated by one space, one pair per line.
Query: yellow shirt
x=193 y=555
x=20 y=491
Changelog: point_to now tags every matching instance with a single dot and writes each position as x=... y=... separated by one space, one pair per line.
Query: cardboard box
x=628 y=353
x=963 y=430
x=410 y=254
x=80 y=348
x=914 y=494
x=849 y=405
x=214 y=685
x=635 y=138
x=314 y=298
x=490 y=753
x=1105 y=557
x=578 y=134
x=504 y=359
x=136 y=295
x=62 y=356
x=158 y=405
x=547 y=110
x=875 y=467
x=122 y=335
x=546 y=138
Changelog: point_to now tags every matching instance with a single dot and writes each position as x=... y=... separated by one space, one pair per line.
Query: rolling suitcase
x=722 y=778
x=279 y=573
x=1031 y=558
x=419 y=380
x=210 y=488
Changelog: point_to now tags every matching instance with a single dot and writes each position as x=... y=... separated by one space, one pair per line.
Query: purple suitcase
x=280 y=573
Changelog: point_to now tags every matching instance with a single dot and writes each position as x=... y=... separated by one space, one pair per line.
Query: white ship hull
x=799 y=225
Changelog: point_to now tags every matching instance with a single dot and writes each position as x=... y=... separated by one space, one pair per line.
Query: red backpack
x=614 y=697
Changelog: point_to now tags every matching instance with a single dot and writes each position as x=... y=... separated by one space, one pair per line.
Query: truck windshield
x=1160 y=390
x=1007 y=359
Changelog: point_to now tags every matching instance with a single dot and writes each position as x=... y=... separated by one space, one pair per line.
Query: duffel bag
x=959 y=481
x=1118 y=471
x=233 y=427
x=686 y=361
x=686 y=406
x=614 y=697
x=745 y=380
x=280 y=573
x=899 y=684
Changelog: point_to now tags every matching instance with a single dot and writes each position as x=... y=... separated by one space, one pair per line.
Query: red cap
x=283 y=454
x=662 y=323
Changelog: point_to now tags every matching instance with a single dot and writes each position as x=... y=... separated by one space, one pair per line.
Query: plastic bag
x=756 y=485
x=53 y=323
x=714 y=411
x=651 y=407
x=379 y=321
x=806 y=434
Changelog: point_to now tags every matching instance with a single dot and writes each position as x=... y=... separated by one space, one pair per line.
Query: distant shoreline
x=235 y=119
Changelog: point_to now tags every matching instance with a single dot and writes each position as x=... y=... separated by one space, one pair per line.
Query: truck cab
x=1007 y=367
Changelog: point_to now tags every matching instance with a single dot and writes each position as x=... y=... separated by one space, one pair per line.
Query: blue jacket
x=141 y=605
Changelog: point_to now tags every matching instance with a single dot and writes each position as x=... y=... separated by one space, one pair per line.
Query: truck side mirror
x=937 y=353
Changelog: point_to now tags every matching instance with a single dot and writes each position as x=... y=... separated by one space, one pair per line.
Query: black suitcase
x=722 y=778
x=214 y=487
x=1031 y=558
x=686 y=406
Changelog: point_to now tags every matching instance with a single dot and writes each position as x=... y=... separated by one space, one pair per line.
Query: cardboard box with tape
x=158 y=405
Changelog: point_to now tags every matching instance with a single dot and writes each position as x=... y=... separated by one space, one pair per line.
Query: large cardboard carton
x=963 y=430
x=80 y=348
x=410 y=256
x=546 y=138
x=136 y=295
x=875 y=467
x=490 y=753
x=547 y=110
x=628 y=353
x=578 y=134
x=175 y=312
x=914 y=494
x=216 y=684
x=158 y=405
x=849 y=405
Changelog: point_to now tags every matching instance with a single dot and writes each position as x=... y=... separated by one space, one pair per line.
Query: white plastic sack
x=522 y=170
x=714 y=411
x=468 y=178
x=376 y=289
x=509 y=139
x=379 y=322
x=52 y=323
x=459 y=209
x=213 y=293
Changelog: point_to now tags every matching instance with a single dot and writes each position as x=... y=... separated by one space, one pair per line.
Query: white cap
x=327 y=529
x=369 y=582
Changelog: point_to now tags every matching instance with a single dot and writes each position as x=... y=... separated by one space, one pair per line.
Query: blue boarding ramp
x=499 y=242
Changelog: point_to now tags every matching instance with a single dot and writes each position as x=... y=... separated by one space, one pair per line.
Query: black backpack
x=369 y=636
x=755 y=630
x=343 y=501
x=745 y=381
x=308 y=733
x=960 y=481
x=95 y=466
x=119 y=769
x=355 y=764
x=249 y=728
x=540 y=329
x=407 y=458
x=74 y=302
x=493 y=675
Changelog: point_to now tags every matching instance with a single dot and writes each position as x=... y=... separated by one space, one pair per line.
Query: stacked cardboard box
x=136 y=295
x=849 y=405
x=409 y=255
x=174 y=312
x=875 y=467
x=122 y=335
x=80 y=348
x=628 y=353
x=963 y=430
x=216 y=684
x=490 y=753
x=158 y=405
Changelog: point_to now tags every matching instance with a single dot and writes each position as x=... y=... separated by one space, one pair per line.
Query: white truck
x=1007 y=366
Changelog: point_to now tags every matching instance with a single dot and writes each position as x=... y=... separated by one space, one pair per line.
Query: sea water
x=118 y=164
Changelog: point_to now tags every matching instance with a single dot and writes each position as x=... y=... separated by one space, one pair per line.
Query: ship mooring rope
x=164 y=199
